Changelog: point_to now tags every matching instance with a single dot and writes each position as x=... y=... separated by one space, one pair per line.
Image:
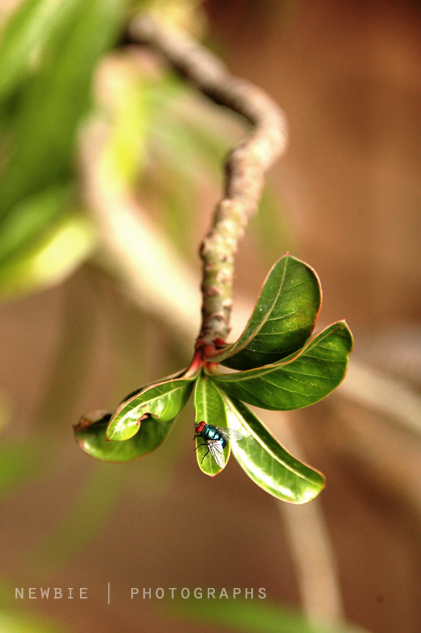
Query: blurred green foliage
x=251 y=616
x=12 y=620
x=48 y=55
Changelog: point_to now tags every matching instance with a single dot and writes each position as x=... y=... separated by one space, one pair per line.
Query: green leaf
x=26 y=30
x=247 y=615
x=129 y=112
x=273 y=225
x=162 y=401
x=13 y=622
x=51 y=258
x=283 y=319
x=30 y=218
x=90 y=434
x=210 y=408
x=266 y=462
x=53 y=101
x=299 y=380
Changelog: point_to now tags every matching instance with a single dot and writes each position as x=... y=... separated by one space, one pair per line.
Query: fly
x=215 y=439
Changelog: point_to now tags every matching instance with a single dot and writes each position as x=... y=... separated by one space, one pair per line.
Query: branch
x=312 y=550
x=245 y=166
x=382 y=393
x=130 y=242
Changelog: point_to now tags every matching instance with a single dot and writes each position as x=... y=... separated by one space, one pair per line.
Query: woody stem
x=245 y=166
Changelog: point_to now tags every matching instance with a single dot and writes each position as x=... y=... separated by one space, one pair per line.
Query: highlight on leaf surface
x=299 y=380
x=282 y=320
x=210 y=408
x=49 y=260
x=162 y=401
x=266 y=462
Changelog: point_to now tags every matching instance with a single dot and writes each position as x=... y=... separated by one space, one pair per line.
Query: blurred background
x=109 y=170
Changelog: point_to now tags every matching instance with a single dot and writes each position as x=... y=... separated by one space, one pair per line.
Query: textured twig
x=245 y=166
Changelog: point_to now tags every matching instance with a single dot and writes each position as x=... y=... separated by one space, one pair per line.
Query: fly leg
x=207 y=452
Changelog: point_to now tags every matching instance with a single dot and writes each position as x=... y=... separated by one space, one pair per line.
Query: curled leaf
x=90 y=436
x=138 y=431
x=160 y=404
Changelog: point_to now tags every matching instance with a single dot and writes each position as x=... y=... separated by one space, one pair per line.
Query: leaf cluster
x=278 y=366
x=49 y=52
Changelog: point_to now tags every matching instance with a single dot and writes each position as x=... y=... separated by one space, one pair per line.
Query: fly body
x=215 y=439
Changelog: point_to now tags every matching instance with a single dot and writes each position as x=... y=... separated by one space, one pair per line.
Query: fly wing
x=229 y=434
x=217 y=451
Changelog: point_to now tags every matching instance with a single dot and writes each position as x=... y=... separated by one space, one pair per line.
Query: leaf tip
x=345 y=325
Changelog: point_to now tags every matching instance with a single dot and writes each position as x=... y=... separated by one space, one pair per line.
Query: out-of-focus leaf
x=160 y=403
x=130 y=104
x=298 y=380
x=19 y=463
x=13 y=622
x=252 y=616
x=50 y=259
x=283 y=319
x=266 y=462
x=210 y=408
x=272 y=227
x=30 y=219
x=186 y=126
x=27 y=29
x=12 y=612
x=55 y=98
